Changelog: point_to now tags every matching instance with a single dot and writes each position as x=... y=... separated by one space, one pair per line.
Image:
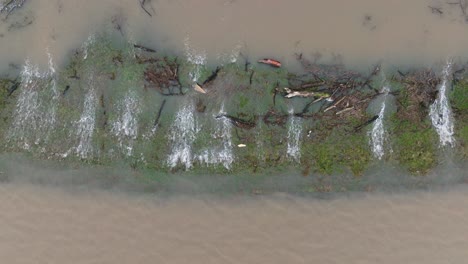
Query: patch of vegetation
x=459 y=96
x=340 y=150
x=414 y=139
x=414 y=145
x=459 y=101
x=463 y=137
x=4 y=84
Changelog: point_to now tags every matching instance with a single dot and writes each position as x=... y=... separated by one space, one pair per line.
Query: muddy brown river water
x=355 y=32
x=45 y=224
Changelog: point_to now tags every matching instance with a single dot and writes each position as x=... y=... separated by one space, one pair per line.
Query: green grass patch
x=414 y=146
x=340 y=150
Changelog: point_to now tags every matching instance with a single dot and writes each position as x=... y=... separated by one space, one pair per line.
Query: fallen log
x=13 y=88
x=335 y=104
x=65 y=91
x=290 y=94
x=307 y=107
x=197 y=87
x=251 y=77
x=212 y=77
x=142 y=5
x=271 y=62
x=143 y=48
x=156 y=122
x=371 y=120
x=345 y=110
x=238 y=122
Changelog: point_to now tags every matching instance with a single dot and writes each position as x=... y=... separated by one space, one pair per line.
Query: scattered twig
x=436 y=10
x=213 y=76
x=290 y=94
x=274 y=118
x=238 y=122
x=401 y=73
x=275 y=92
x=65 y=91
x=142 y=5
x=306 y=108
x=143 y=48
x=371 y=120
x=13 y=88
x=345 y=110
x=246 y=65
x=156 y=122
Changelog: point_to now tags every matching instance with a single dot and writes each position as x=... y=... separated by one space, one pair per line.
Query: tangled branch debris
x=419 y=93
x=334 y=82
x=163 y=77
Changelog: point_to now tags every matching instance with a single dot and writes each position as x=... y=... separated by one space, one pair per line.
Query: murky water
x=42 y=225
x=350 y=31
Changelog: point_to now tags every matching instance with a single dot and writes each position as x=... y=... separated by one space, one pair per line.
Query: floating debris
x=271 y=62
x=290 y=94
x=197 y=87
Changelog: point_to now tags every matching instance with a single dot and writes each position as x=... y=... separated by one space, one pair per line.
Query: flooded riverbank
x=145 y=131
x=47 y=225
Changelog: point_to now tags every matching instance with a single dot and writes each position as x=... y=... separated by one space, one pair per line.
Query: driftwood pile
x=339 y=91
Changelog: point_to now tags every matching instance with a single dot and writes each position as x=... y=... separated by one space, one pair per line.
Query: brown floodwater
x=52 y=225
x=354 y=32
x=40 y=223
